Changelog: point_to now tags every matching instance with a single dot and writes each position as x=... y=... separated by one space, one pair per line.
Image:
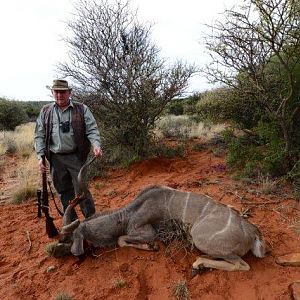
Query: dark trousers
x=64 y=171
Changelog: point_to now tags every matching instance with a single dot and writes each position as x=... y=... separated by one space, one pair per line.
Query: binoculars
x=64 y=126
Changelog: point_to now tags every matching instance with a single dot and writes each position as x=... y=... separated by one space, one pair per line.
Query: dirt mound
x=26 y=272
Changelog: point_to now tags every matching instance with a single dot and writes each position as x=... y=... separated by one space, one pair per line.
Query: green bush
x=12 y=114
x=183 y=106
x=262 y=152
x=32 y=109
x=175 y=107
x=171 y=151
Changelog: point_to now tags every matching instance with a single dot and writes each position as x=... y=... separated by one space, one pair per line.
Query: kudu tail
x=259 y=248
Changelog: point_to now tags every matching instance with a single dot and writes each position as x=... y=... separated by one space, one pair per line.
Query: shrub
x=261 y=152
x=12 y=114
x=164 y=150
x=175 y=107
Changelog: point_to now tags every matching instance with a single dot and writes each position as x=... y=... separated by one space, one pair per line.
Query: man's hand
x=42 y=167
x=97 y=151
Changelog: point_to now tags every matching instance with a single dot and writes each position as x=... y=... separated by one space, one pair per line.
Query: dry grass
x=2 y=146
x=184 y=127
x=120 y=283
x=50 y=248
x=2 y=165
x=28 y=177
x=181 y=291
x=267 y=185
x=18 y=142
x=176 y=236
x=63 y=296
x=24 y=139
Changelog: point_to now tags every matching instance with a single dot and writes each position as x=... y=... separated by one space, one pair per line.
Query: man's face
x=62 y=97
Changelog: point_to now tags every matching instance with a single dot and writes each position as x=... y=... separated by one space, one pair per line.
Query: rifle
x=39 y=202
x=50 y=227
x=52 y=195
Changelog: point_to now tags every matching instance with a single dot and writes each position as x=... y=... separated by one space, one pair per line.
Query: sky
x=31 y=39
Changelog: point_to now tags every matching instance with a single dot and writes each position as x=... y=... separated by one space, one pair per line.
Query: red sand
x=147 y=275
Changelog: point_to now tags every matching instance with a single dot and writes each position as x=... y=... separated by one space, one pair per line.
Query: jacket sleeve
x=39 y=137
x=91 y=128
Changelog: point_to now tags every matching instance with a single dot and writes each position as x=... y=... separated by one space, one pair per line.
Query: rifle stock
x=50 y=227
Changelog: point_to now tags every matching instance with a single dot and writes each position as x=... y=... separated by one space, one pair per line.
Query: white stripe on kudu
x=225 y=228
x=186 y=202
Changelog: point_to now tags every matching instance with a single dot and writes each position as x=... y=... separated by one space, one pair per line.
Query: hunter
x=64 y=133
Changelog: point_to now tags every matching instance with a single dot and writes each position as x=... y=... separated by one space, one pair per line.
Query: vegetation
x=120 y=283
x=63 y=296
x=185 y=127
x=181 y=291
x=50 y=248
x=118 y=71
x=255 y=54
x=183 y=106
x=136 y=96
x=20 y=142
x=11 y=114
x=15 y=113
x=27 y=180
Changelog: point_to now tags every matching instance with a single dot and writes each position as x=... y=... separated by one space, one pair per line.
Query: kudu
x=216 y=229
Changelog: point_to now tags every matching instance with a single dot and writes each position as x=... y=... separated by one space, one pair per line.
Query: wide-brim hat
x=60 y=85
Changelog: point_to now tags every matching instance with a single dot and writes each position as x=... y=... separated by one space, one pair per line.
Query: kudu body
x=216 y=229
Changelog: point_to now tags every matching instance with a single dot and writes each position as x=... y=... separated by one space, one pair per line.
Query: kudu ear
x=71 y=227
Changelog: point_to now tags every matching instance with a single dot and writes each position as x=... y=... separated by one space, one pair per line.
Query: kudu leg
x=141 y=238
x=129 y=241
x=228 y=264
x=77 y=246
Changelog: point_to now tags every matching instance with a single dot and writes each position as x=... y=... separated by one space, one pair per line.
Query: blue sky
x=31 y=43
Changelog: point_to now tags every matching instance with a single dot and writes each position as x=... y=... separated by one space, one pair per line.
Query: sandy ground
x=26 y=272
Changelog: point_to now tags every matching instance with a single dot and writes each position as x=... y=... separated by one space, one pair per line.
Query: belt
x=63 y=153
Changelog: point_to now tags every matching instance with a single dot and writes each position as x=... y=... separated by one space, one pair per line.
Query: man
x=64 y=133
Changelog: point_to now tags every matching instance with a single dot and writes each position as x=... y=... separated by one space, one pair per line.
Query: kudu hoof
x=155 y=247
x=79 y=260
x=200 y=270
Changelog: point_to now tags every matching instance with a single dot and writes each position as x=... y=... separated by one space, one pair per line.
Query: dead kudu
x=216 y=229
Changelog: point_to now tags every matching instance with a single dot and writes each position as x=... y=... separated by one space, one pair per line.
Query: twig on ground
x=242 y=199
x=222 y=197
x=101 y=254
x=261 y=203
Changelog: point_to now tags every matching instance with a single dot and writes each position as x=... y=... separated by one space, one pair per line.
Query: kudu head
x=66 y=234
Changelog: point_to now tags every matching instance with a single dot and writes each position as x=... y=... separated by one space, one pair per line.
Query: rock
x=295 y=290
x=51 y=269
x=292 y=259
